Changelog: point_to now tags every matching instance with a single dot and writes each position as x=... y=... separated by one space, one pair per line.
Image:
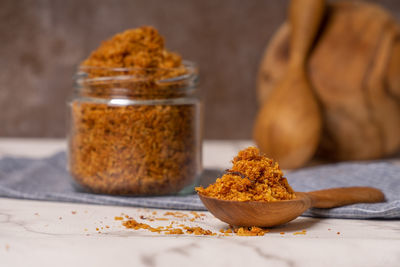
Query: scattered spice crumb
x=329 y=229
x=97 y=229
x=251 y=231
x=133 y=224
x=176 y=214
x=107 y=226
x=7 y=247
x=179 y=228
x=60 y=218
x=226 y=231
x=198 y=231
x=303 y=232
x=154 y=212
x=195 y=214
x=161 y=219
x=37 y=214
x=73 y=212
x=338 y=233
x=282 y=233
x=118 y=218
x=176 y=231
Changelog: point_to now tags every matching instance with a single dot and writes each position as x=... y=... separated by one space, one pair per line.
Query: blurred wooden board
x=354 y=69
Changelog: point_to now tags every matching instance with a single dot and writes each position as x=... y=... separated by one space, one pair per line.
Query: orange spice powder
x=143 y=47
x=303 y=232
x=180 y=229
x=251 y=231
x=169 y=230
x=253 y=177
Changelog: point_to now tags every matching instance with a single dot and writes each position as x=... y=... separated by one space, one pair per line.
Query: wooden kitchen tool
x=354 y=69
x=288 y=125
x=268 y=214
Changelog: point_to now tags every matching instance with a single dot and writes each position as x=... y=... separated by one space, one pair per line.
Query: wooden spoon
x=288 y=125
x=268 y=214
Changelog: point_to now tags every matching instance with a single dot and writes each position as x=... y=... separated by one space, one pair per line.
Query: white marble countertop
x=35 y=233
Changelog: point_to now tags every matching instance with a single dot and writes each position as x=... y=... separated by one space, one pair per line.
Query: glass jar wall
x=134 y=132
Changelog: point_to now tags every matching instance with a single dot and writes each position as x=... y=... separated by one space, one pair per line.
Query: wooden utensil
x=268 y=214
x=288 y=125
x=354 y=68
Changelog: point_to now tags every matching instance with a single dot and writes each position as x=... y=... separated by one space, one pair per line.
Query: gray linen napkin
x=47 y=179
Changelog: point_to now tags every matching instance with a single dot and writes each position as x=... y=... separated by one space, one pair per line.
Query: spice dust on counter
x=178 y=228
x=251 y=231
x=131 y=223
x=303 y=232
x=253 y=177
x=179 y=223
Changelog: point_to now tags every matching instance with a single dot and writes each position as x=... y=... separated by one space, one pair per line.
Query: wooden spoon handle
x=394 y=70
x=338 y=197
x=305 y=17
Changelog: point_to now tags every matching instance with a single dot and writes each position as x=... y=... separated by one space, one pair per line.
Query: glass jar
x=135 y=131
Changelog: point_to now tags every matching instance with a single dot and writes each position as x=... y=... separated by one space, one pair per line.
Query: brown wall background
x=42 y=41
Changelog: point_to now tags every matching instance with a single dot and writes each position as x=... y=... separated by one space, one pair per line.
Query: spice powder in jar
x=135 y=123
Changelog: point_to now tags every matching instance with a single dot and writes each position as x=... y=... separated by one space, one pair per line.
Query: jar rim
x=137 y=83
x=122 y=73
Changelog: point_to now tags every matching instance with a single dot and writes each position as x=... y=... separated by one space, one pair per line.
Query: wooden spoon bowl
x=289 y=123
x=268 y=214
